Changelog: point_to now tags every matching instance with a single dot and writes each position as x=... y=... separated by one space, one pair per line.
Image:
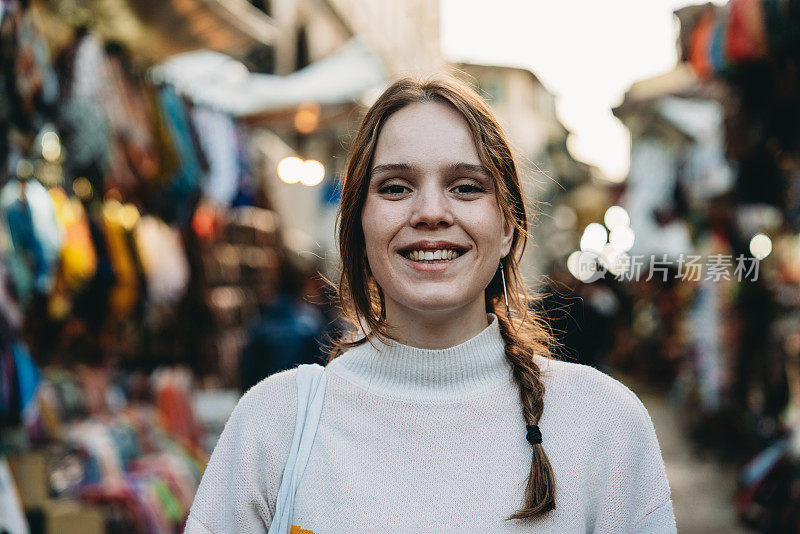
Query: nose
x=431 y=208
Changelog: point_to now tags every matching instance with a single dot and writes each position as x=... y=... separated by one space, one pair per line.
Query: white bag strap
x=310 y=379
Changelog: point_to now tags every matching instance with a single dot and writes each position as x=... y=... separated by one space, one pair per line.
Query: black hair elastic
x=533 y=435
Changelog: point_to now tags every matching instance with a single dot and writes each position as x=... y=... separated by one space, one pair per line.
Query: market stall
x=739 y=388
x=137 y=242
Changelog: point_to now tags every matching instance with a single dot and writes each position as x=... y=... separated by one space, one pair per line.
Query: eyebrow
x=453 y=167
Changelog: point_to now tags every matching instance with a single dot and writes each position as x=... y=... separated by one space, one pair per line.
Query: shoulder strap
x=310 y=380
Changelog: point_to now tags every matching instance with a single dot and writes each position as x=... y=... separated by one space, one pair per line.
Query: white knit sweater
x=423 y=441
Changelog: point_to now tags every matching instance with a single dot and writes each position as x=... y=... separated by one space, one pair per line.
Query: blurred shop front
x=712 y=195
x=167 y=191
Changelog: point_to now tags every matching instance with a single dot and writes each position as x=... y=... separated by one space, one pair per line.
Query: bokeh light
x=616 y=217
x=312 y=173
x=290 y=170
x=760 y=246
x=82 y=188
x=306 y=119
x=594 y=237
x=564 y=217
x=622 y=238
x=51 y=146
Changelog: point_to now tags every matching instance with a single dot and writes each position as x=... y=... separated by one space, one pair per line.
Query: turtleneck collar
x=394 y=370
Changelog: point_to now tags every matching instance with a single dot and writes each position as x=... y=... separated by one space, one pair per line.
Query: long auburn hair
x=362 y=300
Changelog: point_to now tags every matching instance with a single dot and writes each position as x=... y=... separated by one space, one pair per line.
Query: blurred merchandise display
x=137 y=243
x=715 y=173
x=86 y=444
x=749 y=50
x=237 y=260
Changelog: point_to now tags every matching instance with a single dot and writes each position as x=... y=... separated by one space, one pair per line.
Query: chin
x=436 y=303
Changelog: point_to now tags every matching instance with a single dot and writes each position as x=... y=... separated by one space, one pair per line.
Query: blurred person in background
x=581 y=316
x=288 y=331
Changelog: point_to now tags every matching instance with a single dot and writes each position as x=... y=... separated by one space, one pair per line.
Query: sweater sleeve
x=662 y=519
x=193 y=526
x=636 y=493
x=239 y=486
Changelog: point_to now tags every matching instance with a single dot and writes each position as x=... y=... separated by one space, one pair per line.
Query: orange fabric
x=78 y=257
x=700 y=46
x=298 y=530
x=125 y=293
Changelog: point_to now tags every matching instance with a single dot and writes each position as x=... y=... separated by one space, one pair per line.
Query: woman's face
x=429 y=197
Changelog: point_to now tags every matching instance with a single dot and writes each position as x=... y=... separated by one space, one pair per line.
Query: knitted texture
x=415 y=440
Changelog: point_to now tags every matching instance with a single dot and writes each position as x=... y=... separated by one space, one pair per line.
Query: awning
x=155 y=30
x=699 y=119
x=231 y=26
x=219 y=81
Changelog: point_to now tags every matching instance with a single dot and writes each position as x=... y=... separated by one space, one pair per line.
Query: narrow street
x=701 y=489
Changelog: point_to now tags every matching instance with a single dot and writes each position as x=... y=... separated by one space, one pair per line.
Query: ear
x=508 y=237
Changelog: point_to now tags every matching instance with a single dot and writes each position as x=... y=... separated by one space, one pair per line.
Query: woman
x=448 y=415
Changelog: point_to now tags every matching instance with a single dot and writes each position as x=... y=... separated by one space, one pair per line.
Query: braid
x=540 y=489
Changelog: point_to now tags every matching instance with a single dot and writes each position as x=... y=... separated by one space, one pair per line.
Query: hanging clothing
x=133 y=156
x=126 y=292
x=10 y=311
x=186 y=179
x=700 y=47
x=27 y=379
x=166 y=155
x=217 y=134
x=37 y=82
x=717 y=45
x=163 y=256
x=36 y=235
x=745 y=38
x=88 y=132
x=78 y=257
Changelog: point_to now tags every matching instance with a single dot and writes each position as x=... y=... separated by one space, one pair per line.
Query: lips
x=431 y=256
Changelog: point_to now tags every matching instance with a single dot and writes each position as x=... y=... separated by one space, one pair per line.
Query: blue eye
x=469 y=189
x=393 y=189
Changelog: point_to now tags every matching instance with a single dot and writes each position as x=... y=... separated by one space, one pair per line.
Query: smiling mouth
x=431 y=256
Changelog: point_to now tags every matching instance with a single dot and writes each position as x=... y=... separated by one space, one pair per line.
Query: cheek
x=376 y=229
x=485 y=224
x=367 y=224
x=380 y=222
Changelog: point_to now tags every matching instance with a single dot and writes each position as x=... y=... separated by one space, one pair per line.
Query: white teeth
x=432 y=255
